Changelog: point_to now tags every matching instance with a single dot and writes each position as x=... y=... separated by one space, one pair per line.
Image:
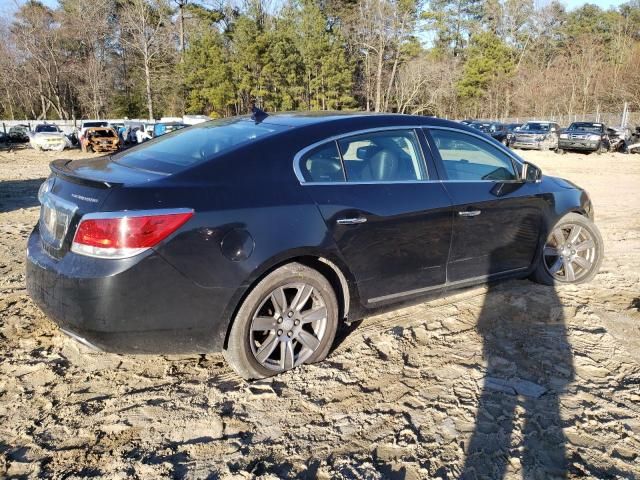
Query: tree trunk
x=379 y=77
x=147 y=77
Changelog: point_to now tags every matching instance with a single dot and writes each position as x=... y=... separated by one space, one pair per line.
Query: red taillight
x=125 y=234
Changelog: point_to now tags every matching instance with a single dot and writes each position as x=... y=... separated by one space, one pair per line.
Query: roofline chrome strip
x=298 y=156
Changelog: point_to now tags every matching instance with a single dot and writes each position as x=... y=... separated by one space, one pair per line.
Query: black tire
x=542 y=273
x=602 y=148
x=238 y=352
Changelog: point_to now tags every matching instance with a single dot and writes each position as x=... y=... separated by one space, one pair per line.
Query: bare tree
x=145 y=30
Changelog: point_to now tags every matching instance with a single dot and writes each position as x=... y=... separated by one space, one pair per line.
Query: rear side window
x=386 y=156
x=322 y=164
x=468 y=158
x=189 y=146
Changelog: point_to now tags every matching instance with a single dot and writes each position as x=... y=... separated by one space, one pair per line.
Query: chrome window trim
x=335 y=138
x=298 y=156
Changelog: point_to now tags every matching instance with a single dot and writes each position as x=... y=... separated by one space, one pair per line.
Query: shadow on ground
x=17 y=194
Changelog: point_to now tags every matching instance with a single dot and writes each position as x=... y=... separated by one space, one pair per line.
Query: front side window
x=468 y=158
x=385 y=156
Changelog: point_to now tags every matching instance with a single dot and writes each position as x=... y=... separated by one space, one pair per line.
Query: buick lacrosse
x=257 y=236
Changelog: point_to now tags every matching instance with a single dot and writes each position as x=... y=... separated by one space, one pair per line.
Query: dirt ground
x=515 y=379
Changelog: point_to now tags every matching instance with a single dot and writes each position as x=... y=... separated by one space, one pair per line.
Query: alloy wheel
x=570 y=253
x=288 y=326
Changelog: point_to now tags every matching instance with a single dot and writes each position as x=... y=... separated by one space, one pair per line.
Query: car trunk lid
x=75 y=189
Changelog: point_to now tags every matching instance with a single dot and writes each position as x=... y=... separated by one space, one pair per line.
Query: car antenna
x=257 y=114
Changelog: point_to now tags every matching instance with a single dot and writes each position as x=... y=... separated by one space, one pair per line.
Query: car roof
x=355 y=120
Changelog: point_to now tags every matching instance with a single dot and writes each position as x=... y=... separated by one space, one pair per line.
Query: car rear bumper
x=136 y=305
x=589 y=146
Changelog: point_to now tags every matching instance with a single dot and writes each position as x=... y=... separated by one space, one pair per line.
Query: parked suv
x=585 y=137
x=259 y=236
x=536 y=135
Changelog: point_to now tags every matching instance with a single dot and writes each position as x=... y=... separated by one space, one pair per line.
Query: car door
x=497 y=218
x=391 y=222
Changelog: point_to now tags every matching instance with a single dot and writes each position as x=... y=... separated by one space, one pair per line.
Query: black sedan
x=259 y=236
x=493 y=129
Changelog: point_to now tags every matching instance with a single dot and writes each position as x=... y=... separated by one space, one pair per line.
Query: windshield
x=189 y=146
x=47 y=128
x=94 y=124
x=107 y=132
x=586 y=127
x=536 y=126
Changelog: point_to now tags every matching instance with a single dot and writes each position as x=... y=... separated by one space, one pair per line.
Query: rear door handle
x=470 y=213
x=351 y=221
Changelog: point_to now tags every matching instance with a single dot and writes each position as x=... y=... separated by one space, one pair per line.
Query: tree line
x=450 y=58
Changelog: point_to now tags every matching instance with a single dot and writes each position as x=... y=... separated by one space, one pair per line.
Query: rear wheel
x=572 y=253
x=289 y=318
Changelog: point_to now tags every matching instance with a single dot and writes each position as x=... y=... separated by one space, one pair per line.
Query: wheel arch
x=332 y=268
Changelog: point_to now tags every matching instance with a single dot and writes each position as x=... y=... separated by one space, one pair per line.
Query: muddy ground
x=516 y=379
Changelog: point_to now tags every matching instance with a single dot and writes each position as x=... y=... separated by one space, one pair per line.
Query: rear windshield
x=189 y=146
x=586 y=127
x=94 y=124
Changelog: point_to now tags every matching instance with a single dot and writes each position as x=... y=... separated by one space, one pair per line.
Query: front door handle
x=351 y=221
x=470 y=213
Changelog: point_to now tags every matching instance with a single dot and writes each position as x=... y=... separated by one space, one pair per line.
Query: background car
x=85 y=124
x=47 y=136
x=511 y=129
x=259 y=236
x=538 y=135
x=100 y=139
x=161 y=128
x=584 y=137
x=19 y=133
x=495 y=130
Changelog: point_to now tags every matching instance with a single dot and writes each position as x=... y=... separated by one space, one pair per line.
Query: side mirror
x=530 y=173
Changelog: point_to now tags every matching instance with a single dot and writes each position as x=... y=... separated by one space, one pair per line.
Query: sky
x=571 y=4
x=7 y=7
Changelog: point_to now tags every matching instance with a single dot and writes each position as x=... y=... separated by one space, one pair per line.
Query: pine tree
x=453 y=22
x=207 y=76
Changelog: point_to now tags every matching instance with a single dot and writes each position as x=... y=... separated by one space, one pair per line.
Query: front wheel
x=289 y=318
x=572 y=253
